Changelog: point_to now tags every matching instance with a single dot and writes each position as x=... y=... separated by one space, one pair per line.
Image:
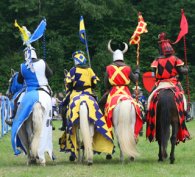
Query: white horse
x=124 y=118
x=35 y=138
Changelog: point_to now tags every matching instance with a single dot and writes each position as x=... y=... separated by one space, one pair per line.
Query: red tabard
x=119 y=78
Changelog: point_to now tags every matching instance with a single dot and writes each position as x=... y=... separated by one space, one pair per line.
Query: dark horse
x=167 y=114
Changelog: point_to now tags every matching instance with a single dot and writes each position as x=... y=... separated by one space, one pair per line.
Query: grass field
x=146 y=165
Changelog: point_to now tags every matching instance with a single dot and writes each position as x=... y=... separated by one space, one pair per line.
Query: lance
x=135 y=39
x=183 y=32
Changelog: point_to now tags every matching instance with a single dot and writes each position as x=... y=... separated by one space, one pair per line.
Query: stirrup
x=8 y=122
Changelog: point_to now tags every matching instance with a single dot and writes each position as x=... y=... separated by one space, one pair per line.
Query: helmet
x=117 y=48
x=79 y=58
x=29 y=53
x=165 y=45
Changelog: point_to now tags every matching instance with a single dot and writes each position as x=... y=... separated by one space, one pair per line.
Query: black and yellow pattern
x=102 y=140
x=81 y=80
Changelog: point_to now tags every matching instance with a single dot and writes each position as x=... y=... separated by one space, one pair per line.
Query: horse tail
x=125 y=129
x=85 y=131
x=165 y=114
x=37 y=119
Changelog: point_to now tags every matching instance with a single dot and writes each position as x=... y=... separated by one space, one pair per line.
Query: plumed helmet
x=117 y=48
x=165 y=45
x=79 y=58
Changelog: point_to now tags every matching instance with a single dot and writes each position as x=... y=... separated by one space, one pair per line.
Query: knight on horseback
x=168 y=68
x=80 y=82
x=117 y=79
x=31 y=129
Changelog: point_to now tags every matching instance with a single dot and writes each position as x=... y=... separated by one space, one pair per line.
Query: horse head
x=14 y=86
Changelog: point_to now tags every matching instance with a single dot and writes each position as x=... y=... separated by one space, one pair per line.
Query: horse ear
x=65 y=72
x=12 y=72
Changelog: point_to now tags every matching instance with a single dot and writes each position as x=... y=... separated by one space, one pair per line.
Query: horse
x=124 y=118
x=31 y=131
x=167 y=115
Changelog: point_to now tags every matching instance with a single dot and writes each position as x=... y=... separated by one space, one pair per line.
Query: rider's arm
x=182 y=69
x=20 y=78
x=48 y=71
x=135 y=76
x=106 y=82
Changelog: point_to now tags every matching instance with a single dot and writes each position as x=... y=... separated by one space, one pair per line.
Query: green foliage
x=104 y=20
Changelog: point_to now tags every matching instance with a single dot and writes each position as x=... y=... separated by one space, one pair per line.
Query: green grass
x=146 y=165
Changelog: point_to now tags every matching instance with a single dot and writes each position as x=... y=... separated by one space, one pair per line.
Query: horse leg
x=29 y=131
x=173 y=141
x=160 y=158
x=79 y=144
x=24 y=140
x=85 y=131
x=121 y=154
x=91 y=130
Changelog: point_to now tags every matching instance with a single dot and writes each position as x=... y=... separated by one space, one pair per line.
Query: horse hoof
x=108 y=157
x=172 y=162
x=31 y=161
x=42 y=164
x=132 y=159
x=160 y=160
x=71 y=158
x=90 y=163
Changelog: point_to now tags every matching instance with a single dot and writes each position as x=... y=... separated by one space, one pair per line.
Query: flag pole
x=87 y=50
x=137 y=64
x=187 y=76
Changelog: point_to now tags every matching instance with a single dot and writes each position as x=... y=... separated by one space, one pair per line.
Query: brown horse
x=167 y=115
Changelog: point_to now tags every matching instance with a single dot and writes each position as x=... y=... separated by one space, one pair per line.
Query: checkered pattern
x=183 y=133
x=102 y=135
x=166 y=67
x=141 y=28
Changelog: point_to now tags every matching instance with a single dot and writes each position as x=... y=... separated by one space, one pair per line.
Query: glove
x=137 y=70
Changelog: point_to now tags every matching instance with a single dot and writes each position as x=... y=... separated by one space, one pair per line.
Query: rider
x=117 y=78
x=122 y=72
x=168 y=69
x=80 y=82
x=34 y=73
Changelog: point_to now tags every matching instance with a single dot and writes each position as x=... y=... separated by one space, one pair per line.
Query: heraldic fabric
x=102 y=140
x=119 y=79
x=82 y=80
x=24 y=110
x=183 y=133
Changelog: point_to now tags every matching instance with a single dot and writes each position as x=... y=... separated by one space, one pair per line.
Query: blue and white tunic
x=36 y=91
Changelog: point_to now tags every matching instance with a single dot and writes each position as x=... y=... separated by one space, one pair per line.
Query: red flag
x=183 y=27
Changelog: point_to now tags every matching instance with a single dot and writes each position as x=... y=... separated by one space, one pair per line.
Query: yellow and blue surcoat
x=79 y=82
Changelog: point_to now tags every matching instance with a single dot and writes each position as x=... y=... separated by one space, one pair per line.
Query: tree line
x=104 y=20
